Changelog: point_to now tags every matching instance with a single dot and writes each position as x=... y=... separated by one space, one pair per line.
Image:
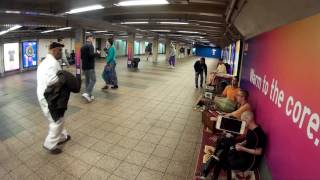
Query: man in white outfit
x=46 y=76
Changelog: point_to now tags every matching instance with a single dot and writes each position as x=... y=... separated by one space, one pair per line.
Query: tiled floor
x=144 y=130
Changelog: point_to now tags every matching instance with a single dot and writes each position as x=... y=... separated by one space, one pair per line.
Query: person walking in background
x=221 y=68
x=148 y=50
x=47 y=76
x=172 y=56
x=88 y=67
x=200 y=67
x=111 y=63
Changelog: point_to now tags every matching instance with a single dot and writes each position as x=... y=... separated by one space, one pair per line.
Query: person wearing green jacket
x=111 y=63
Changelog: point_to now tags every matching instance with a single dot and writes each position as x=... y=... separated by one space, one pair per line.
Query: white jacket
x=46 y=75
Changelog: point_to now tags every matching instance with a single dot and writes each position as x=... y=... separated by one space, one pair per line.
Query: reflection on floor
x=144 y=130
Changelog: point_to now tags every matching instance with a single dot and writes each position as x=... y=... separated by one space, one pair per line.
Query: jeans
x=172 y=60
x=197 y=78
x=114 y=74
x=90 y=79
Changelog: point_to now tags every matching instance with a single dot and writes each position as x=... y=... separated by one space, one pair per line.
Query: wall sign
x=11 y=56
x=29 y=54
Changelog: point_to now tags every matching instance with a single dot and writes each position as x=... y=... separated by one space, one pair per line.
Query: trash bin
x=135 y=62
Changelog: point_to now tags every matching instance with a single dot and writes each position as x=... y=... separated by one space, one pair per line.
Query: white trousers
x=57 y=132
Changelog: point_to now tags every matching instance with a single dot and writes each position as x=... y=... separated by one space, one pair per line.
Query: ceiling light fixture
x=10 y=29
x=59 y=29
x=85 y=9
x=136 y=22
x=100 y=31
x=44 y=32
x=142 y=2
x=160 y=30
x=62 y=29
x=175 y=23
x=189 y=32
x=13 y=12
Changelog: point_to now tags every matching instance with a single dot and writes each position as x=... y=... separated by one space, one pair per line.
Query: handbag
x=107 y=74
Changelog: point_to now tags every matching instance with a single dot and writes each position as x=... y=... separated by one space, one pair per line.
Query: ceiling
x=212 y=21
x=257 y=16
x=206 y=18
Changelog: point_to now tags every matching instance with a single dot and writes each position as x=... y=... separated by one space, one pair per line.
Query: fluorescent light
x=13 y=12
x=137 y=22
x=189 y=32
x=62 y=29
x=142 y=2
x=88 y=32
x=176 y=23
x=85 y=9
x=59 y=29
x=100 y=31
x=14 y=28
x=47 y=31
x=108 y=34
x=10 y=29
x=160 y=30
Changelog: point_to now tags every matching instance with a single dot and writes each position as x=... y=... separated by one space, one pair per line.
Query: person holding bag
x=110 y=74
x=111 y=66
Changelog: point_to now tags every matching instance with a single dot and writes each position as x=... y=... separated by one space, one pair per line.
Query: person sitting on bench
x=242 y=104
x=230 y=92
x=246 y=155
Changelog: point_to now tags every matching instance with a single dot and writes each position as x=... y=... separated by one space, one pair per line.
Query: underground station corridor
x=139 y=131
x=159 y=89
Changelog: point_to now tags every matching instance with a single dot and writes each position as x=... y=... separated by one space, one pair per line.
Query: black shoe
x=54 y=151
x=200 y=86
x=115 y=87
x=64 y=141
x=105 y=87
x=197 y=87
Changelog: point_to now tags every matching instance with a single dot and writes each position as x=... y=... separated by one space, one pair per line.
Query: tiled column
x=155 y=45
x=178 y=55
x=168 y=43
x=1 y=60
x=103 y=45
x=130 y=48
x=79 y=41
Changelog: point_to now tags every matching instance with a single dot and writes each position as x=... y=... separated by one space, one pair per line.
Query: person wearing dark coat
x=47 y=76
x=57 y=95
x=200 y=67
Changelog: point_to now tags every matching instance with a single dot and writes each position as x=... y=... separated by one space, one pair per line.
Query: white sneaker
x=169 y=67
x=87 y=97
x=92 y=97
x=173 y=67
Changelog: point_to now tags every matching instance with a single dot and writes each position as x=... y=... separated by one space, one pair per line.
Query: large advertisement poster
x=233 y=52
x=281 y=72
x=130 y=53
x=11 y=56
x=29 y=54
x=237 y=58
